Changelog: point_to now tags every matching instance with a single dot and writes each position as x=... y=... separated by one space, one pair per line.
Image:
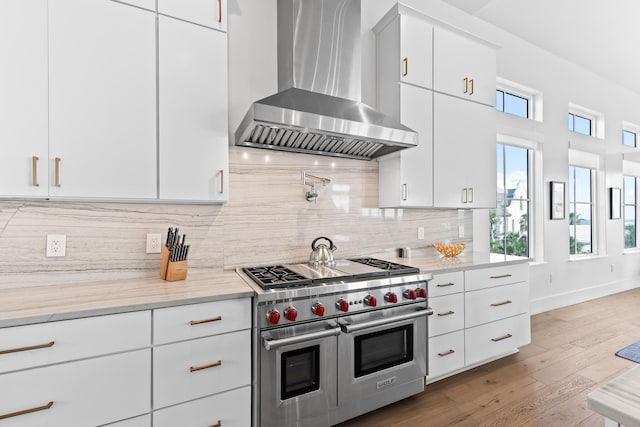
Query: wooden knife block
x=172 y=271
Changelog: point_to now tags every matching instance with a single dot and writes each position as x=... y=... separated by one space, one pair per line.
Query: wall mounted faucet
x=312 y=195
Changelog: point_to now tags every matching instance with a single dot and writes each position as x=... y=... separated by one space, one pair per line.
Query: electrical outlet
x=56 y=245
x=154 y=243
x=420 y=233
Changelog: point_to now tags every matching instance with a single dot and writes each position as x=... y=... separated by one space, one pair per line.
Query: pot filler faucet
x=312 y=195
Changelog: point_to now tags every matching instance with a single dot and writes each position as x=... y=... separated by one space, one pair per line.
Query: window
x=580 y=124
x=630 y=211
x=509 y=222
x=585 y=121
x=513 y=104
x=629 y=138
x=581 y=198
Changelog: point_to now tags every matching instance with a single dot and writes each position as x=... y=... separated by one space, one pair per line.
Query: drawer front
x=47 y=343
x=488 y=305
x=495 y=276
x=143 y=421
x=496 y=338
x=448 y=314
x=85 y=393
x=446 y=283
x=229 y=409
x=175 y=382
x=200 y=320
x=446 y=354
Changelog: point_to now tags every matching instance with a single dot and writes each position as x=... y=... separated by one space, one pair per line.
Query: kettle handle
x=331 y=245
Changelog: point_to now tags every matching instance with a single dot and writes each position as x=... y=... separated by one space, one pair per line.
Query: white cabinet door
x=405 y=178
x=415 y=51
x=446 y=354
x=448 y=314
x=464 y=168
x=102 y=103
x=497 y=338
x=464 y=67
x=146 y=4
x=23 y=98
x=193 y=146
x=210 y=13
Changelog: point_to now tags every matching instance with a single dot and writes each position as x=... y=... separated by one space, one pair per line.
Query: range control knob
x=421 y=292
x=391 y=297
x=273 y=316
x=370 y=300
x=409 y=294
x=317 y=309
x=290 y=314
x=342 y=305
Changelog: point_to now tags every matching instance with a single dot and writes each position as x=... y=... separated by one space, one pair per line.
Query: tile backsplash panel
x=266 y=220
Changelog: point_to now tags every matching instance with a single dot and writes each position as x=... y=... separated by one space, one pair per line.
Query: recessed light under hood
x=318 y=109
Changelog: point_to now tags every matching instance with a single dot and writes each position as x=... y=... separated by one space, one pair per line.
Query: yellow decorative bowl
x=449 y=250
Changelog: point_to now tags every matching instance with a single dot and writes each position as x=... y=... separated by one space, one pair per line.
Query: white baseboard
x=564 y=299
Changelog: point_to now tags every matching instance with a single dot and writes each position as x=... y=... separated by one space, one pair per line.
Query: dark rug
x=631 y=352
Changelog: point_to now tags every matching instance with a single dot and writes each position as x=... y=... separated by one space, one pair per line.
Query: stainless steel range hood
x=318 y=109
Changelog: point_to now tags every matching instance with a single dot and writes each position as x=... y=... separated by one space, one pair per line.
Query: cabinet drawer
x=226 y=363
x=143 y=421
x=200 y=320
x=46 y=343
x=230 y=409
x=496 y=338
x=496 y=276
x=448 y=314
x=446 y=354
x=487 y=305
x=446 y=283
x=209 y=13
x=85 y=393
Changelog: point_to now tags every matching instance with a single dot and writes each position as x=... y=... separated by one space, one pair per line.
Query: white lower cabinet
x=229 y=409
x=488 y=305
x=497 y=338
x=448 y=314
x=446 y=354
x=143 y=421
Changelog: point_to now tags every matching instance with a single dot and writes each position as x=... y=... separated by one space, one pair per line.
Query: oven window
x=300 y=371
x=384 y=349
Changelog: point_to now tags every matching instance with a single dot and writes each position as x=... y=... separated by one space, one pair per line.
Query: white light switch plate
x=154 y=243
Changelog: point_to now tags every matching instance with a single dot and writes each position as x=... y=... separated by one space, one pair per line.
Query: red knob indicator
x=391 y=297
x=421 y=292
x=317 y=309
x=273 y=316
x=291 y=313
x=409 y=294
x=342 y=305
x=370 y=300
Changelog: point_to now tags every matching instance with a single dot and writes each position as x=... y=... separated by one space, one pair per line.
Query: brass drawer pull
x=500 y=277
x=444 y=285
x=498 y=304
x=466 y=85
x=221 y=181
x=446 y=353
x=504 y=337
x=405 y=61
x=57 y=172
x=200 y=322
x=448 y=313
x=471 y=81
x=27 y=411
x=33 y=347
x=218 y=424
x=34 y=171
x=219 y=20
x=200 y=368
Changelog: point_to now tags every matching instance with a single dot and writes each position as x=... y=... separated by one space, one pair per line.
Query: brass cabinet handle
x=464 y=195
x=219 y=11
x=33 y=347
x=34 y=171
x=405 y=191
x=448 y=313
x=444 y=285
x=446 y=353
x=221 y=181
x=405 y=62
x=200 y=368
x=57 y=172
x=470 y=194
x=200 y=322
x=218 y=424
x=504 y=337
x=471 y=81
x=466 y=85
x=498 y=304
x=503 y=276
x=27 y=411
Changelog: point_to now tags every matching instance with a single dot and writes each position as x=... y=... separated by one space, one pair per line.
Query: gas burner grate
x=276 y=276
x=391 y=267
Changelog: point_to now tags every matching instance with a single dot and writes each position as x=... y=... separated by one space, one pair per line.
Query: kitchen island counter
x=433 y=262
x=619 y=400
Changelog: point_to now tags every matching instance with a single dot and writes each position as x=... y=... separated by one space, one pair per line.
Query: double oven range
x=332 y=343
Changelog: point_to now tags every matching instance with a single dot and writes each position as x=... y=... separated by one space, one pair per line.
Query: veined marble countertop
x=435 y=263
x=619 y=400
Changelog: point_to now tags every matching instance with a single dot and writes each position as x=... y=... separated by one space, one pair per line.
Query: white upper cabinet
x=464 y=67
x=102 y=100
x=210 y=13
x=145 y=4
x=193 y=145
x=23 y=98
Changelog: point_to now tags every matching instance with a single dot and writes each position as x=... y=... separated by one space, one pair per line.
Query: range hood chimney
x=318 y=108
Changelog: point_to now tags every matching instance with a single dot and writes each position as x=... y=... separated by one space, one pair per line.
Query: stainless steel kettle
x=322 y=254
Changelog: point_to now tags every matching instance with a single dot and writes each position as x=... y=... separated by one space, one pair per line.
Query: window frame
x=636 y=206
x=533 y=97
x=593 y=226
x=528 y=99
x=596 y=118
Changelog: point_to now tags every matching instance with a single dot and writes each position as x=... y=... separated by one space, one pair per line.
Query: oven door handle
x=271 y=344
x=348 y=328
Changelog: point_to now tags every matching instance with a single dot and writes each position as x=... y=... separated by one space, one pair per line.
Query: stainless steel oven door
x=298 y=372
x=380 y=352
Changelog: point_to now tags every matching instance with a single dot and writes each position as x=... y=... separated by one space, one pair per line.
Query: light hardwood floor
x=545 y=384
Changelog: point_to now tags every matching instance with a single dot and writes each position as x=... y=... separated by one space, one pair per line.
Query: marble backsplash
x=266 y=220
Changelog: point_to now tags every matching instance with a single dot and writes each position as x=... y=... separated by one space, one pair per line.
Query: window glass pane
x=582 y=184
x=570 y=123
x=517 y=171
x=572 y=180
x=496 y=219
x=517 y=236
x=582 y=224
x=500 y=171
x=629 y=138
x=629 y=190
x=515 y=105
x=582 y=125
x=629 y=227
x=499 y=100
